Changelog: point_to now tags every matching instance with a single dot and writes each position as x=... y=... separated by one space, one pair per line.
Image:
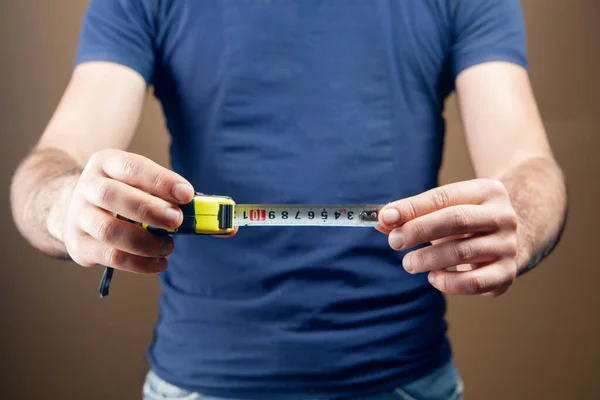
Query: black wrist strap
x=105 y=282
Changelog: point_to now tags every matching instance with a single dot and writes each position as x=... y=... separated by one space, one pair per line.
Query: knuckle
x=104 y=230
x=512 y=273
x=87 y=264
x=71 y=250
x=98 y=158
x=476 y=284
x=130 y=168
x=463 y=251
x=105 y=194
x=159 y=182
x=407 y=211
x=143 y=209
x=510 y=220
x=443 y=283
x=419 y=232
x=441 y=198
x=84 y=262
x=144 y=245
x=94 y=160
x=113 y=257
x=74 y=245
x=512 y=248
x=461 y=219
x=81 y=260
x=69 y=247
x=504 y=218
x=513 y=222
x=495 y=188
x=430 y=259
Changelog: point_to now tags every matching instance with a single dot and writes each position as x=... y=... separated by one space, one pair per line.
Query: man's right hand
x=115 y=184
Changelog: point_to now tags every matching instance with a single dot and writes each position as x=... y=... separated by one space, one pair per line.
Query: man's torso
x=287 y=101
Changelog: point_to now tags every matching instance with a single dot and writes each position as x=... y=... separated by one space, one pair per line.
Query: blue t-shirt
x=312 y=101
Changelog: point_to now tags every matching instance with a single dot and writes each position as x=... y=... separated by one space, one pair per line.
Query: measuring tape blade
x=364 y=215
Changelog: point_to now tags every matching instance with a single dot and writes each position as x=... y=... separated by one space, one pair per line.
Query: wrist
x=532 y=252
x=62 y=188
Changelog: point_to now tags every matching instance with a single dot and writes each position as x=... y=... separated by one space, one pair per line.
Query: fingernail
x=406 y=263
x=396 y=240
x=172 y=216
x=390 y=216
x=431 y=278
x=183 y=192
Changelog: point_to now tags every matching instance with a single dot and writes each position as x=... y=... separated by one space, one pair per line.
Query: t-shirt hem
x=373 y=388
x=130 y=61
x=473 y=58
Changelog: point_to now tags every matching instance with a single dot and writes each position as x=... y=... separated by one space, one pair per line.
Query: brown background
x=540 y=341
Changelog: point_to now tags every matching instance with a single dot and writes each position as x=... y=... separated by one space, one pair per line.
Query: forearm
x=40 y=193
x=538 y=194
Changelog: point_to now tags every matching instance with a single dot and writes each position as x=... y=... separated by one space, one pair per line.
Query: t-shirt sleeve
x=488 y=30
x=119 y=31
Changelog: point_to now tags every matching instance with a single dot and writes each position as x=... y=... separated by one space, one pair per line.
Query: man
x=315 y=101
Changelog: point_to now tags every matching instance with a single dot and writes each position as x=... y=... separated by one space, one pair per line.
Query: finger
x=383 y=230
x=486 y=248
x=125 y=236
x=146 y=175
x=99 y=253
x=452 y=237
x=482 y=280
x=131 y=203
x=498 y=292
x=387 y=231
x=455 y=220
x=475 y=191
x=229 y=235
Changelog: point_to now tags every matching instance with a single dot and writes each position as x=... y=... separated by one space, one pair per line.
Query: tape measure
x=220 y=215
x=306 y=215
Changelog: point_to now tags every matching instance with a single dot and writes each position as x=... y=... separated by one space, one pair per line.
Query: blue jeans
x=442 y=384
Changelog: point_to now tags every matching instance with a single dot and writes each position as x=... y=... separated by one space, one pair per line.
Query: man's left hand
x=472 y=227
